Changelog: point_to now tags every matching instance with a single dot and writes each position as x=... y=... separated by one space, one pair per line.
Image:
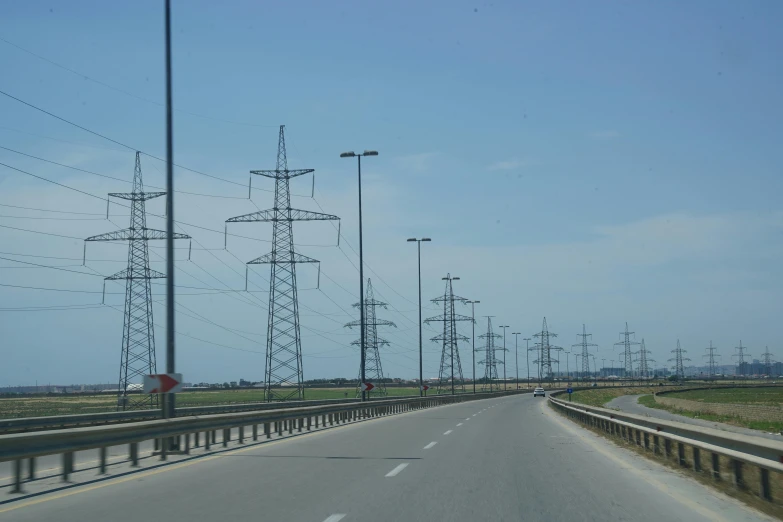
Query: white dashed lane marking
x=397 y=470
x=448 y=432
x=335 y=518
x=431 y=444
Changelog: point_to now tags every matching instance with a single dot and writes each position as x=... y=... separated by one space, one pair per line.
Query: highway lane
x=499 y=459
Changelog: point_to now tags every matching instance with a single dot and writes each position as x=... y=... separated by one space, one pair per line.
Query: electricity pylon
x=626 y=343
x=679 y=369
x=740 y=355
x=490 y=361
x=283 y=377
x=711 y=359
x=767 y=361
x=545 y=348
x=450 y=365
x=585 y=353
x=372 y=363
x=138 y=330
x=644 y=361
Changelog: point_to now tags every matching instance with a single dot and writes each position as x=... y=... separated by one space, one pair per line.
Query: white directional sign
x=163 y=383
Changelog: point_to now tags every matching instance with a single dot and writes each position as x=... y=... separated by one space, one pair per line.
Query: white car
x=539 y=391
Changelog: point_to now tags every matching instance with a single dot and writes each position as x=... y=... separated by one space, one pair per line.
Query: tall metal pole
x=516 y=354
x=504 y=357
x=473 y=316
x=169 y=403
x=421 y=357
x=361 y=281
x=527 y=361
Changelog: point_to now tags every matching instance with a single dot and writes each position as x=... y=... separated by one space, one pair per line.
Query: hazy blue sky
x=591 y=162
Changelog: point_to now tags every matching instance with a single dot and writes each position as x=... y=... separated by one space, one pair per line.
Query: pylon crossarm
x=272 y=257
x=448 y=317
x=131 y=234
x=136 y=196
x=135 y=274
x=274 y=215
x=282 y=173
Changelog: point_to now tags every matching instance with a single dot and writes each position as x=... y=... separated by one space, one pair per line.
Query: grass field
x=62 y=404
x=600 y=396
x=769 y=426
x=765 y=396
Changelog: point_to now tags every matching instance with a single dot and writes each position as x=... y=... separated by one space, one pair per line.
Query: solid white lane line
x=431 y=444
x=335 y=518
x=396 y=471
x=448 y=432
x=460 y=424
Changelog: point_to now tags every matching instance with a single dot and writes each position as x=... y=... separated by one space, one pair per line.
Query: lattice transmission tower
x=450 y=365
x=679 y=369
x=138 y=329
x=585 y=352
x=283 y=377
x=626 y=343
x=767 y=361
x=644 y=361
x=545 y=348
x=372 y=363
x=490 y=361
x=742 y=352
x=711 y=363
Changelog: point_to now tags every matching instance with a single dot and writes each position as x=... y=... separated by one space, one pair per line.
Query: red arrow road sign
x=425 y=387
x=163 y=383
x=367 y=386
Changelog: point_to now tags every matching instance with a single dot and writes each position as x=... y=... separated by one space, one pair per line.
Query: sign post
x=570 y=390
x=425 y=388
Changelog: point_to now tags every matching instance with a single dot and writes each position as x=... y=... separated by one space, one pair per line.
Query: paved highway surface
x=503 y=459
x=629 y=404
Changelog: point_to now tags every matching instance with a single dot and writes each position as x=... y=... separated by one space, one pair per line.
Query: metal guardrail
x=30 y=445
x=25 y=424
x=660 y=436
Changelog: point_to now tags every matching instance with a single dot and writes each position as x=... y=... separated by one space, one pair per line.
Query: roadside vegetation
x=768 y=426
x=600 y=396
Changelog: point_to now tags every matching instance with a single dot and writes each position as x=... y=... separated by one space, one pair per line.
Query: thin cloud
x=417 y=163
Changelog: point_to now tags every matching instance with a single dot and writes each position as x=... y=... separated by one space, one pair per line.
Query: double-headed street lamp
x=504 y=356
x=361 y=261
x=421 y=358
x=527 y=362
x=473 y=316
x=516 y=354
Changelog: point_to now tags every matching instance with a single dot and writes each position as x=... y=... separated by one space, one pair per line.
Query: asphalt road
x=630 y=404
x=504 y=459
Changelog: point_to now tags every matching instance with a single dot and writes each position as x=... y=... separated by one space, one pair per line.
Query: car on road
x=539 y=391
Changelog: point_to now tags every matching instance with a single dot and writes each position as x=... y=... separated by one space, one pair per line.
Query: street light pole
x=504 y=357
x=568 y=367
x=421 y=358
x=473 y=316
x=516 y=354
x=361 y=264
x=527 y=360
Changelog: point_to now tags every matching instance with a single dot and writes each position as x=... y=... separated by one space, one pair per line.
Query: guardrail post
x=195 y=440
x=646 y=440
x=309 y=421
x=17 y=476
x=214 y=436
x=267 y=430
x=765 y=491
x=716 y=466
x=696 y=459
x=656 y=445
x=155 y=445
x=739 y=482
x=241 y=434
x=102 y=459
x=667 y=447
x=163 y=443
x=279 y=425
x=290 y=426
x=133 y=448
x=301 y=424
x=638 y=437
x=255 y=431
x=206 y=441
x=681 y=453
x=67 y=465
x=187 y=444
x=226 y=436
x=31 y=468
